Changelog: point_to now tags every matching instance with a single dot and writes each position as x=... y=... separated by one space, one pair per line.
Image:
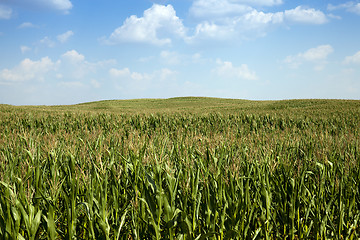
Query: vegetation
x=182 y=168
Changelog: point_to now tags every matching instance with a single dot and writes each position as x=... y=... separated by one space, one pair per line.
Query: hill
x=203 y=105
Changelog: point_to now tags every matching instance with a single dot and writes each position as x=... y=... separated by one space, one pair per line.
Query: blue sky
x=67 y=51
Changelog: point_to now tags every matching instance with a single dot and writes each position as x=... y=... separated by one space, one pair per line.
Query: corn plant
x=266 y=173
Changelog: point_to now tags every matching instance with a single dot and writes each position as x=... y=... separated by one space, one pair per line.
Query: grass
x=181 y=168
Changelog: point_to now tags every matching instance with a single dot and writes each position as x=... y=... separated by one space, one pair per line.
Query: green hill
x=203 y=105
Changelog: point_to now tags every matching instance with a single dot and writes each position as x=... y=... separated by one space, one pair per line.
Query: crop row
x=179 y=176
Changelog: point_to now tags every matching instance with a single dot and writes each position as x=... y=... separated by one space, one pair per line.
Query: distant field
x=181 y=168
x=204 y=105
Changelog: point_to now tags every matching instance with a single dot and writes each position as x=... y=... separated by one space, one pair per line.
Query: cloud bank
x=220 y=20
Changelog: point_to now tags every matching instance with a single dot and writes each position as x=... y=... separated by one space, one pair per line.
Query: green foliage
x=233 y=170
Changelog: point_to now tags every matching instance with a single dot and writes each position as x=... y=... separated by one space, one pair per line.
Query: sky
x=56 y=52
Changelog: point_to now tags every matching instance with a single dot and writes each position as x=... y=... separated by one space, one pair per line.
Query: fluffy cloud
x=157 y=20
x=73 y=57
x=228 y=70
x=353 y=59
x=219 y=20
x=305 y=15
x=316 y=56
x=29 y=70
x=5 y=12
x=212 y=9
x=65 y=36
x=75 y=66
x=209 y=30
x=127 y=75
x=348 y=6
x=71 y=66
x=119 y=73
x=255 y=19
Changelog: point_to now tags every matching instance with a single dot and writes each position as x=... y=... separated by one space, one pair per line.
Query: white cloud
x=27 y=25
x=305 y=15
x=253 y=23
x=72 y=65
x=316 y=56
x=330 y=15
x=75 y=66
x=71 y=84
x=65 y=36
x=134 y=82
x=217 y=8
x=25 y=49
x=209 y=30
x=73 y=57
x=59 y=5
x=166 y=74
x=71 y=68
x=171 y=58
x=28 y=70
x=221 y=20
x=225 y=8
x=355 y=9
x=5 y=12
x=260 y=2
x=348 y=6
x=176 y=58
x=226 y=69
x=353 y=59
x=225 y=15
x=62 y=5
x=197 y=58
x=146 y=59
x=156 y=27
x=255 y=19
x=119 y=73
x=129 y=81
x=46 y=41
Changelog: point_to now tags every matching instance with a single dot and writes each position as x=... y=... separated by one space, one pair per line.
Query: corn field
x=78 y=175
